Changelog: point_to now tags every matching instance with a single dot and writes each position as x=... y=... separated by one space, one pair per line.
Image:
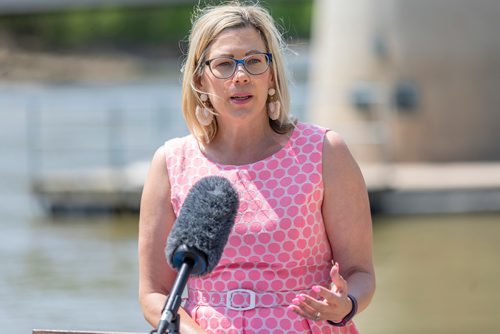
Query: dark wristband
x=349 y=315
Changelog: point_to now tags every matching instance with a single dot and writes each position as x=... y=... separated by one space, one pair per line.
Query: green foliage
x=293 y=17
x=156 y=27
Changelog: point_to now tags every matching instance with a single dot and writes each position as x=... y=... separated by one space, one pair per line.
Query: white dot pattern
x=278 y=244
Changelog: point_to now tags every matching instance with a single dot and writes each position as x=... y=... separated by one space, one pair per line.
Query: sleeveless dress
x=278 y=246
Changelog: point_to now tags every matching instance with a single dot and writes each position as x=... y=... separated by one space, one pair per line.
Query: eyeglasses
x=225 y=67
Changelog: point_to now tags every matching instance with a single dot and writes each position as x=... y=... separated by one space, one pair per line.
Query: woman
x=298 y=259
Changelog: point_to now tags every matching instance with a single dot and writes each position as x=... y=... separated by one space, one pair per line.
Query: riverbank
x=93 y=67
x=393 y=189
x=434 y=188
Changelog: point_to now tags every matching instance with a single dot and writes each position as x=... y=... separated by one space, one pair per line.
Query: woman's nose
x=241 y=74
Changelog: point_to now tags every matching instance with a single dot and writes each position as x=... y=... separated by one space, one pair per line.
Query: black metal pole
x=170 y=320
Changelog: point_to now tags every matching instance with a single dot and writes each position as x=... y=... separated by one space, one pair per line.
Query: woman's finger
x=339 y=284
x=313 y=303
x=315 y=315
x=329 y=296
x=306 y=306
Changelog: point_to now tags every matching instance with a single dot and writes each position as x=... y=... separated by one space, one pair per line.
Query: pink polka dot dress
x=278 y=246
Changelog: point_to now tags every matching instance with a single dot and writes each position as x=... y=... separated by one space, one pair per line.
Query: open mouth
x=241 y=97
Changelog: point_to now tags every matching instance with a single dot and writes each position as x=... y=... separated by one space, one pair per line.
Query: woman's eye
x=220 y=64
x=253 y=61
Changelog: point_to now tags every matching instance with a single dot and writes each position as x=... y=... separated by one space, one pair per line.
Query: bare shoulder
x=337 y=158
x=157 y=186
x=334 y=142
x=159 y=159
x=158 y=167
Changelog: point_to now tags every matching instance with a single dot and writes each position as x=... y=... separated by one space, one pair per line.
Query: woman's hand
x=334 y=306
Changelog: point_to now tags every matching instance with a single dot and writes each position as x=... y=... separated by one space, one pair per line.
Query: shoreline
x=18 y=66
x=394 y=189
x=97 y=66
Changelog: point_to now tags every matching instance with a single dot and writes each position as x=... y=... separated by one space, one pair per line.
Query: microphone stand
x=170 y=320
x=191 y=261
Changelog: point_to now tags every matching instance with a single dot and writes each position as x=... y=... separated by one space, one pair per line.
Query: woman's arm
x=156 y=220
x=347 y=218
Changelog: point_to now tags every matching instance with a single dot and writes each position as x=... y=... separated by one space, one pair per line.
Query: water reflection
x=436 y=275
x=71 y=274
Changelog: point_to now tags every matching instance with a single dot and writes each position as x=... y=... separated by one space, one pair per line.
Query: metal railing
x=62 y=139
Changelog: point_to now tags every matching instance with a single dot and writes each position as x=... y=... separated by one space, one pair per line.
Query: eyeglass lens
x=225 y=67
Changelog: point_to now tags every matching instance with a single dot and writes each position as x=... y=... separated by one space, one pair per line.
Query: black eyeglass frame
x=269 y=58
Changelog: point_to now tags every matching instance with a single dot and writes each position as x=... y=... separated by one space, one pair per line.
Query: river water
x=436 y=274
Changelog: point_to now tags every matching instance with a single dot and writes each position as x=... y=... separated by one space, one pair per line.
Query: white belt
x=242 y=299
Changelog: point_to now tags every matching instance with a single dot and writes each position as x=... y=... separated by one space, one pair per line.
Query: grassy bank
x=148 y=29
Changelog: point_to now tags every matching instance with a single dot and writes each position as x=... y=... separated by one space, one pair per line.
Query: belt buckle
x=229 y=300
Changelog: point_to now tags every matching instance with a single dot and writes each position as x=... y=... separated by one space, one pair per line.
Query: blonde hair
x=208 y=23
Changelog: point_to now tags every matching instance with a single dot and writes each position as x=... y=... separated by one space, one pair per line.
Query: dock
x=438 y=188
x=52 y=331
x=91 y=191
x=430 y=188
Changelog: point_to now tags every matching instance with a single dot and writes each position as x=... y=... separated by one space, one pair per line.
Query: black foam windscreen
x=203 y=226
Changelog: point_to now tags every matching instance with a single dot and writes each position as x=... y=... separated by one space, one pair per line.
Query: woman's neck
x=244 y=145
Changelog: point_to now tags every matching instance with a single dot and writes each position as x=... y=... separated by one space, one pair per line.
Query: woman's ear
x=271 y=77
x=198 y=83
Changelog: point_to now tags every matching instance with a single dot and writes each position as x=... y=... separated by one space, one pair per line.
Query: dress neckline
x=285 y=147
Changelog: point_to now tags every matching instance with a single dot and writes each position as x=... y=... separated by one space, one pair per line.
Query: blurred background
x=89 y=89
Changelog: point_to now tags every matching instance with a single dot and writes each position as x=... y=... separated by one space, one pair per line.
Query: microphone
x=198 y=237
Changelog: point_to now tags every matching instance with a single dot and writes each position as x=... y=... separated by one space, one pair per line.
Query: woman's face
x=242 y=95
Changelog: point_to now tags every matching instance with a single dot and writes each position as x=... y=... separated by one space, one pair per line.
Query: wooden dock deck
x=434 y=188
x=393 y=189
x=56 y=331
